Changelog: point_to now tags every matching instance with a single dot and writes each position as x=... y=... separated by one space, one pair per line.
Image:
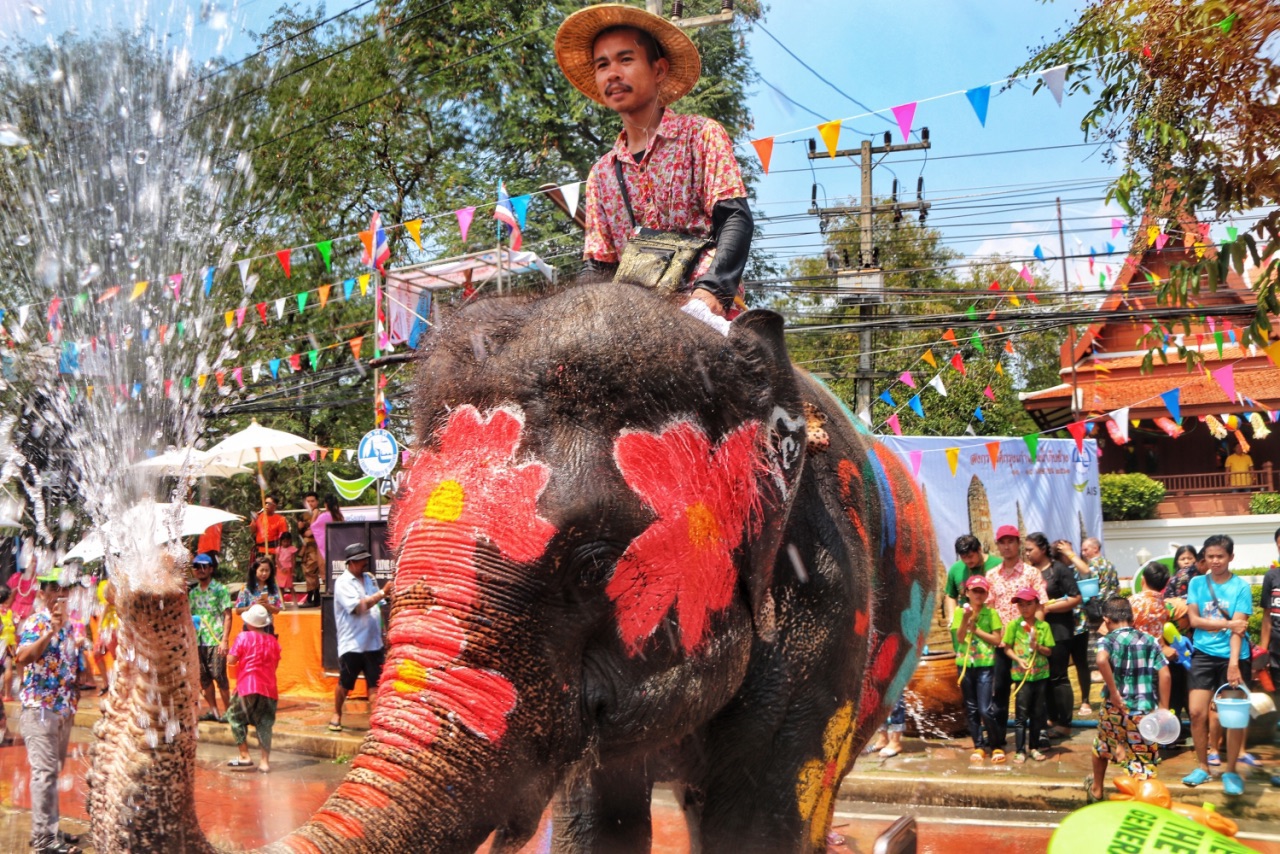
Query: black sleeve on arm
x=731 y=229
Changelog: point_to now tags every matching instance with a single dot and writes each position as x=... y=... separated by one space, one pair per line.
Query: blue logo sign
x=378 y=453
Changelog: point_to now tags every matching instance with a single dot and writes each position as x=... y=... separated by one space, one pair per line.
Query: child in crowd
x=1029 y=643
x=1135 y=679
x=8 y=642
x=975 y=632
x=255 y=655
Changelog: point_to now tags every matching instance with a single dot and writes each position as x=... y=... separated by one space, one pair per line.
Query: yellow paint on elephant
x=816 y=786
x=446 y=501
x=411 y=677
x=704 y=531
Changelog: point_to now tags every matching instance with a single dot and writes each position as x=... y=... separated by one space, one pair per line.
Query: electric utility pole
x=863 y=285
x=725 y=16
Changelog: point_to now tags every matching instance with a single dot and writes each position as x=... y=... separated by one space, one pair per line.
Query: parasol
x=166 y=521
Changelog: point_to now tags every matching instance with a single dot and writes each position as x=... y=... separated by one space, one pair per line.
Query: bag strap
x=622 y=185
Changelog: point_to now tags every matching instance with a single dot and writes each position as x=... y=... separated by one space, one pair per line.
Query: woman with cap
x=667 y=172
x=255 y=655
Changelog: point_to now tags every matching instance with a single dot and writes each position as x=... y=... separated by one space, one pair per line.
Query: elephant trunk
x=406 y=791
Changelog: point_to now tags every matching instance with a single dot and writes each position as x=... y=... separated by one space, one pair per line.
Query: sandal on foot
x=977 y=757
x=210 y=717
x=1089 y=796
x=1195 y=778
x=1213 y=758
x=1019 y=758
x=335 y=727
x=997 y=757
x=240 y=763
x=1085 y=709
x=1250 y=760
x=1232 y=784
x=1038 y=756
x=889 y=752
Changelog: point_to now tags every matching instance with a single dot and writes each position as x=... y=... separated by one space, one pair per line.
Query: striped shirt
x=1136 y=661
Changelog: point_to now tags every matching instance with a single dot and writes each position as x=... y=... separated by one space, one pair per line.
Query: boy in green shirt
x=975 y=632
x=1029 y=643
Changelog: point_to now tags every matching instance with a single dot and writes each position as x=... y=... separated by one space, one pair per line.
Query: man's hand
x=1238 y=625
x=386 y=588
x=222 y=647
x=710 y=300
x=1117 y=702
x=57 y=616
x=1233 y=674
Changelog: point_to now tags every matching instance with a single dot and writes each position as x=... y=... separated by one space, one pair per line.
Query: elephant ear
x=758 y=336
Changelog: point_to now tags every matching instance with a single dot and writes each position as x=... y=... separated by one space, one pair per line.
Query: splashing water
x=112 y=192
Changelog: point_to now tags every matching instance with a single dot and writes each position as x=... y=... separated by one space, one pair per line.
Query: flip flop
x=1089 y=796
x=890 y=752
x=1232 y=784
x=1213 y=758
x=240 y=763
x=977 y=757
x=997 y=757
x=335 y=727
x=1250 y=760
x=1195 y=778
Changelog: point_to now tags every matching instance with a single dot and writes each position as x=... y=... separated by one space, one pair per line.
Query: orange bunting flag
x=366 y=237
x=283 y=255
x=830 y=132
x=764 y=150
x=356 y=343
x=1008 y=348
x=958 y=363
x=950 y=335
x=108 y=294
x=324 y=294
x=414 y=227
x=993 y=451
x=953 y=457
x=933 y=363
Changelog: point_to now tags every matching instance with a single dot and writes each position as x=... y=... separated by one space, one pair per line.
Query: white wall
x=1252 y=534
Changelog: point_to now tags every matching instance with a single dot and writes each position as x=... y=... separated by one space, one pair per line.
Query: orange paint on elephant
x=848 y=471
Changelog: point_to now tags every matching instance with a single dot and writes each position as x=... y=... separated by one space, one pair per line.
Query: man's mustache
x=614 y=88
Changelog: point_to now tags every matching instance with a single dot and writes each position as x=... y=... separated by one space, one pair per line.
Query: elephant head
x=589 y=576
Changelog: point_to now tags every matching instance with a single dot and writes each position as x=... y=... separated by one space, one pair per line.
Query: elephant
x=630 y=549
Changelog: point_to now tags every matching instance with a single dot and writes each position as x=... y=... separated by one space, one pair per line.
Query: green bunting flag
x=314 y=356
x=1033 y=444
x=972 y=312
x=182 y=329
x=1217 y=339
x=1232 y=231
x=976 y=341
x=302 y=301
x=326 y=251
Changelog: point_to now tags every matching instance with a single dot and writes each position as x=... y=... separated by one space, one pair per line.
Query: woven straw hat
x=577 y=35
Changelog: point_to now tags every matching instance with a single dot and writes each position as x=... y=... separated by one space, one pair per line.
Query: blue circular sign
x=378 y=453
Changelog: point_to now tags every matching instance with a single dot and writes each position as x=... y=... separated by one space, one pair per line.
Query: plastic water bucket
x=1159 y=727
x=1088 y=587
x=1260 y=703
x=1233 y=712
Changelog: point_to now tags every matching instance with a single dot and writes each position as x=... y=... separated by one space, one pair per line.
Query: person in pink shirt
x=255 y=655
x=24 y=586
x=1006 y=580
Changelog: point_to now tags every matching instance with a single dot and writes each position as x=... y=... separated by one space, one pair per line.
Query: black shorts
x=213 y=667
x=352 y=664
x=1209 y=673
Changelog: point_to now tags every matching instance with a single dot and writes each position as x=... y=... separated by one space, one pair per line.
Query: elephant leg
x=604 y=809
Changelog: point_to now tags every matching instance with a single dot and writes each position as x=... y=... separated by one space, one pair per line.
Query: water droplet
x=22 y=240
x=135 y=261
x=140 y=156
x=88 y=274
x=116 y=240
x=57 y=75
x=53 y=196
x=36 y=12
x=9 y=135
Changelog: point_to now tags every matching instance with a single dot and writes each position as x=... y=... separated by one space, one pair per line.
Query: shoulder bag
x=652 y=258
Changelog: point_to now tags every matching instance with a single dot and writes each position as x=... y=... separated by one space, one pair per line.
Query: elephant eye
x=592 y=563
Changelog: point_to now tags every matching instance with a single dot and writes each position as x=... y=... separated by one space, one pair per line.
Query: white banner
x=1057 y=494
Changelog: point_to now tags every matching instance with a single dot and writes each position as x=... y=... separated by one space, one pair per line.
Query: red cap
x=978 y=581
x=1026 y=594
x=1007 y=531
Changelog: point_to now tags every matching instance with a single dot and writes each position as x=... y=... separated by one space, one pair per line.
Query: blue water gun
x=1181 y=644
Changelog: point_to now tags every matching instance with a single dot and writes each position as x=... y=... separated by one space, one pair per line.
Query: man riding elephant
x=671 y=173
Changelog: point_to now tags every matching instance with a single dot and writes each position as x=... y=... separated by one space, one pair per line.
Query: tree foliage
x=1191 y=89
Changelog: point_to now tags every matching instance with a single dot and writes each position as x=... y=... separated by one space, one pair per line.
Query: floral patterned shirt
x=1005 y=585
x=209 y=605
x=1149 y=615
x=1180 y=583
x=50 y=681
x=1108 y=579
x=248 y=598
x=687 y=169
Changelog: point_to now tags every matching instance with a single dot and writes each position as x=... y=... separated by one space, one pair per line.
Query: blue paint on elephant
x=915 y=624
x=888 y=506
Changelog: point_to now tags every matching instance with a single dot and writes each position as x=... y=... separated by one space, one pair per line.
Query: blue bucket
x=1088 y=587
x=1233 y=712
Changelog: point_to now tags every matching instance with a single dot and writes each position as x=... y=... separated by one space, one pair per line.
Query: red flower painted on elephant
x=421 y=670
x=467 y=490
x=703 y=498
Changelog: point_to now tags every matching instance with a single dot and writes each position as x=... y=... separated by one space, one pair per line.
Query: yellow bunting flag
x=830 y=132
x=1153 y=231
x=1135 y=421
x=324 y=294
x=356 y=343
x=953 y=457
x=139 y=288
x=335 y=453
x=364 y=284
x=764 y=150
x=201 y=380
x=1013 y=298
x=1273 y=352
x=414 y=227
x=928 y=357
x=230 y=318
x=999 y=369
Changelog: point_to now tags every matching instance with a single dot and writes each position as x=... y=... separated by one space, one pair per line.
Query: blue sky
x=882 y=55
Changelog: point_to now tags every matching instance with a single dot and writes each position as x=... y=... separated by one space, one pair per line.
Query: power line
x=957 y=156
x=812 y=71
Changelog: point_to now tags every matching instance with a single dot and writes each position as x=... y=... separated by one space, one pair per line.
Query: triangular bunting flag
x=764 y=150
x=977 y=413
x=414 y=227
x=991 y=395
x=906 y=378
x=1054 y=78
x=1039 y=253
x=904 y=114
x=323 y=291
x=1273 y=352
x=238 y=375
x=571 y=193
x=979 y=98
x=283 y=256
x=230 y=318
x=280 y=309
x=936 y=382
x=928 y=357
x=240 y=316
x=950 y=335
x=348 y=286
x=139 y=288
x=916 y=458
x=887 y=398
x=914 y=403
x=351 y=452
x=256 y=371
x=244 y=274
x=335 y=453
x=958 y=363
x=274 y=364
x=1026 y=276
x=314 y=357
x=953 y=457
x=1076 y=429
x=1120 y=418
x=976 y=341
x=520 y=207
x=1116 y=225
x=356 y=343
x=302 y=301
x=325 y=248
x=993 y=451
x=108 y=294
x=465 y=215
x=295 y=362
x=1033 y=444
x=1225 y=377
x=364 y=285
x=1161 y=240
x=262 y=312
x=892 y=421
x=830 y=133
x=1170 y=399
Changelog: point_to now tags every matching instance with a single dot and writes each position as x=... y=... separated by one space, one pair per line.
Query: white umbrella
x=190 y=462
x=165 y=521
x=258 y=443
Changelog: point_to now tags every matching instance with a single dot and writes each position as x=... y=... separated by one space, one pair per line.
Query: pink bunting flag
x=1213 y=323
x=905 y=114
x=1026 y=276
x=892 y=421
x=1076 y=429
x=238 y=374
x=906 y=377
x=1116 y=225
x=916 y=458
x=240 y=316
x=1226 y=378
x=991 y=395
x=1161 y=240
x=175 y=282
x=465 y=215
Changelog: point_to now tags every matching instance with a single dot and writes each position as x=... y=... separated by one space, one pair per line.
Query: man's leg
x=1001 y=686
x=372 y=673
x=42 y=735
x=1198 y=703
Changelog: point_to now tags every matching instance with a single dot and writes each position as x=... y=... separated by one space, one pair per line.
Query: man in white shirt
x=357 y=615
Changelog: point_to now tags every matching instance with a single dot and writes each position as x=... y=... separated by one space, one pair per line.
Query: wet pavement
x=956 y=803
